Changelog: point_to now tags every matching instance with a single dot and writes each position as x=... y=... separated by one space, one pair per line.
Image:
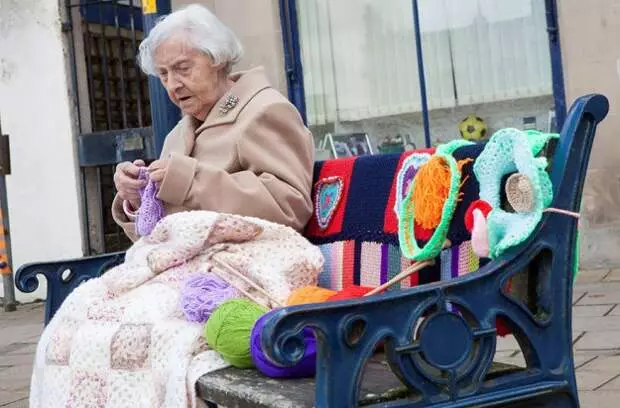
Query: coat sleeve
x=276 y=155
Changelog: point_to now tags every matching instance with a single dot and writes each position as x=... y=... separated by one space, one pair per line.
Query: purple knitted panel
x=151 y=208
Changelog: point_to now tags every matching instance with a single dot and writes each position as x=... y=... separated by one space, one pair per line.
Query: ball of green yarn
x=229 y=328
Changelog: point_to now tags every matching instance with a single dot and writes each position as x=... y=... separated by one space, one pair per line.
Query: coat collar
x=247 y=84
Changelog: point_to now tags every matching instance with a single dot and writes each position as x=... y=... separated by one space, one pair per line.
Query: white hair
x=202 y=29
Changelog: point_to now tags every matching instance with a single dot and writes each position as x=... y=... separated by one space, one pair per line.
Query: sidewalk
x=596 y=334
x=20 y=332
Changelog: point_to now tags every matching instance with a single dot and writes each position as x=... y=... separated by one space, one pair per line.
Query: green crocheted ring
x=538 y=140
x=509 y=151
x=406 y=229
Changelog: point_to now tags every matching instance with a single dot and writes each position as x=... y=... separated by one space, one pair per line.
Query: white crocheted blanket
x=121 y=340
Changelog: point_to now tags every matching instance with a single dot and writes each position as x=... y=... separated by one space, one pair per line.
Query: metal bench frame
x=441 y=375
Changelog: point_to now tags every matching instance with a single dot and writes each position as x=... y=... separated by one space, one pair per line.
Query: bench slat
x=233 y=387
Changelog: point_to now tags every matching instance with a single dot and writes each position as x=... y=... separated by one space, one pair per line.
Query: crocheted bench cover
x=357 y=205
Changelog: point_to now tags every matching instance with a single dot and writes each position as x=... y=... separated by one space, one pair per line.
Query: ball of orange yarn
x=309 y=294
x=351 y=292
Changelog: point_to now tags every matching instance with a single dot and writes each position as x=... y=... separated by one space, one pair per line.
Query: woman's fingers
x=129 y=196
x=158 y=175
x=126 y=180
x=130 y=169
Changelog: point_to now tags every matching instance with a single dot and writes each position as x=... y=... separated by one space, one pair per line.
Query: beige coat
x=254 y=160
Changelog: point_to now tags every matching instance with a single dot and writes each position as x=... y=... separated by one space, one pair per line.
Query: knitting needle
x=404 y=274
x=245 y=293
x=244 y=278
x=416 y=266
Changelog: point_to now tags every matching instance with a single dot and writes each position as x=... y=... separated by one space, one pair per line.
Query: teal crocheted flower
x=512 y=151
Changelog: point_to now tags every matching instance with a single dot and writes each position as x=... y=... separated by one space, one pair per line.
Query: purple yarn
x=151 y=208
x=306 y=367
x=201 y=294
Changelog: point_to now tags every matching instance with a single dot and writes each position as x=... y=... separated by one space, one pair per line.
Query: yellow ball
x=473 y=128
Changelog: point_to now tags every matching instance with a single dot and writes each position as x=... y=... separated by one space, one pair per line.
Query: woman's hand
x=157 y=170
x=127 y=182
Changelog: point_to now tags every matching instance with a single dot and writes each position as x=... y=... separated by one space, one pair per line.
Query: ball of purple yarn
x=201 y=294
x=306 y=367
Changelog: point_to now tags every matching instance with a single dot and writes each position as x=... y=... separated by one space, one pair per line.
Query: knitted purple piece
x=151 y=208
x=202 y=293
x=306 y=367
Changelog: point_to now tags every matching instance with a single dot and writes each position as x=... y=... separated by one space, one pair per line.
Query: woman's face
x=192 y=80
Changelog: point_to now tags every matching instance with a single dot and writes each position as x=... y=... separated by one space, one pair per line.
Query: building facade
x=67 y=75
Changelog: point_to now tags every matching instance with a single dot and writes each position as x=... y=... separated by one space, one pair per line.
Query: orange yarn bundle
x=309 y=294
x=430 y=191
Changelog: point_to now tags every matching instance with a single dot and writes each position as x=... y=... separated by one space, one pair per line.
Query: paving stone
x=613 y=276
x=11 y=398
x=15 y=378
x=590 y=311
x=25 y=333
x=29 y=348
x=591 y=276
x=577 y=295
x=15 y=360
x=599 y=399
x=600 y=297
x=595 y=323
x=613 y=385
x=580 y=358
x=508 y=343
x=598 y=286
x=599 y=340
x=604 y=364
x=22 y=403
x=590 y=380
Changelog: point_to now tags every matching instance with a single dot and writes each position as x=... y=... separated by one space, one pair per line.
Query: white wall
x=589 y=32
x=35 y=109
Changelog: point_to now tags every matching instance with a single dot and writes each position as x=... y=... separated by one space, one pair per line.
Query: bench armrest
x=440 y=339
x=63 y=276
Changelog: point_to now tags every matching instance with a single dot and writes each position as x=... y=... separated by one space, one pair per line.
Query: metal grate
x=112 y=102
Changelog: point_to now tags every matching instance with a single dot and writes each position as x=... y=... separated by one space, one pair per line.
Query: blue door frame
x=294 y=69
x=164 y=114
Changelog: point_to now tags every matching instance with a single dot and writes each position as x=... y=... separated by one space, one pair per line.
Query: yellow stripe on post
x=4 y=259
x=149 y=6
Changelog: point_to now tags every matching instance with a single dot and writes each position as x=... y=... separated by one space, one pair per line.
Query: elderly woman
x=241 y=146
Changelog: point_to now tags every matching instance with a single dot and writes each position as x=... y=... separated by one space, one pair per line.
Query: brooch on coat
x=229 y=103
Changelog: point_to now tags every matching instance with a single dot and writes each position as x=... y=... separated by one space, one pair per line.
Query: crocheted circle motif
x=406 y=229
x=512 y=151
x=328 y=195
x=519 y=192
x=405 y=176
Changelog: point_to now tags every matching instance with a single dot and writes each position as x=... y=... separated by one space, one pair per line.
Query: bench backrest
x=360 y=240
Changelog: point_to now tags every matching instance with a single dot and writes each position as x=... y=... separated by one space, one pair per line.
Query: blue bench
x=432 y=355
